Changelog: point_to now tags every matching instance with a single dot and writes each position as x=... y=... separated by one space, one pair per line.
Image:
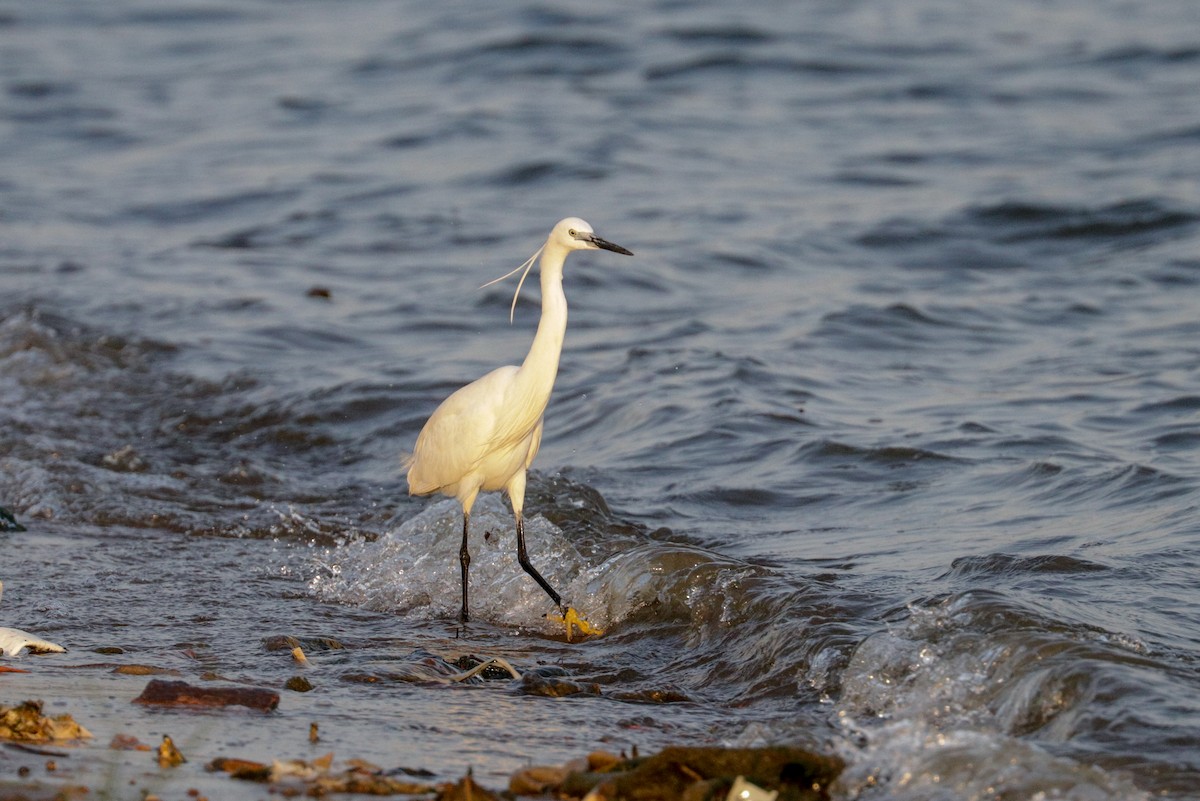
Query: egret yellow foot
x=571 y=619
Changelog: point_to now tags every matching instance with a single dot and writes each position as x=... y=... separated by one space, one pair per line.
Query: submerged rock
x=298 y=684
x=180 y=693
x=127 y=742
x=286 y=642
x=144 y=670
x=555 y=687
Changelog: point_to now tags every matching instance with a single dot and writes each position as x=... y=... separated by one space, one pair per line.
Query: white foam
x=913 y=760
x=936 y=708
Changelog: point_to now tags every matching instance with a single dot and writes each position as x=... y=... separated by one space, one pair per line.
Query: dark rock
x=286 y=642
x=8 y=522
x=298 y=684
x=552 y=687
x=180 y=693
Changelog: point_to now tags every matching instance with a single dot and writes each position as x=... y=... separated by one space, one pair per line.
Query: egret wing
x=458 y=434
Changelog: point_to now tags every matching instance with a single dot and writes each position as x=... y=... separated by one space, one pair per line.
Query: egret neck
x=536 y=376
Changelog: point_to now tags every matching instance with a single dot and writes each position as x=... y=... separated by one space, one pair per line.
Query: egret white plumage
x=485 y=435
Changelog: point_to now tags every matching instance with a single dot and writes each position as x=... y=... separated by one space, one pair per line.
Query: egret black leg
x=527 y=566
x=464 y=558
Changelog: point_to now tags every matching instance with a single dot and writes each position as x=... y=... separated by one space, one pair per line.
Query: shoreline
x=69 y=755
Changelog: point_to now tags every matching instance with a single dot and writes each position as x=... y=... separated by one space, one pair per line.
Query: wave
x=956 y=688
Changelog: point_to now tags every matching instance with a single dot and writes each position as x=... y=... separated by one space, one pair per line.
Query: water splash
x=413 y=570
x=969 y=696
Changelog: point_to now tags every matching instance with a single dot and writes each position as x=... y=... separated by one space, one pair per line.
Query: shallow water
x=885 y=441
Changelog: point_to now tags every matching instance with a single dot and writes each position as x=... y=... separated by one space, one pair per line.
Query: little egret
x=486 y=434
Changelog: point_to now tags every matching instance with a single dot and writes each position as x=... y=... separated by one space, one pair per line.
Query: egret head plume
x=527 y=266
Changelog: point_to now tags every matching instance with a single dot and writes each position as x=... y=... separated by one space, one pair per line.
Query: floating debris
x=35 y=749
x=424 y=667
x=494 y=661
x=601 y=761
x=317 y=777
x=572 y=620
x=465 y=789
x=572 y=780
x=702 y=774
x=13 y=641
x=168 y=755
x=241 y=769
x=743 y=790
x=180 y=693
x=26 y=723
x=538 y=780
x=125 y=460
x=757 y=774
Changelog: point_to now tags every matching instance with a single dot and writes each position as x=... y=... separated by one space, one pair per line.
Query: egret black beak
x=604 y=244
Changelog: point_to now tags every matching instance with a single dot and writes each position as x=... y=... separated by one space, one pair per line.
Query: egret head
x=573 y=233
x=568 y=234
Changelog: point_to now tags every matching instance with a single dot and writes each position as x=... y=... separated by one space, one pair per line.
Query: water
x=884 y=442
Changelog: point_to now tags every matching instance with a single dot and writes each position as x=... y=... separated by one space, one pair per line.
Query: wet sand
x=212 y=746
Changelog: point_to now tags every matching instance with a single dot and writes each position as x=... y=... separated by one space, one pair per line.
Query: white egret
x=486 y=434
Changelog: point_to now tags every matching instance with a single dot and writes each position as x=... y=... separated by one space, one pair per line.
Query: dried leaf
x=537 y=780
x=26 y=723
x=241 y=769
x=168 y=755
